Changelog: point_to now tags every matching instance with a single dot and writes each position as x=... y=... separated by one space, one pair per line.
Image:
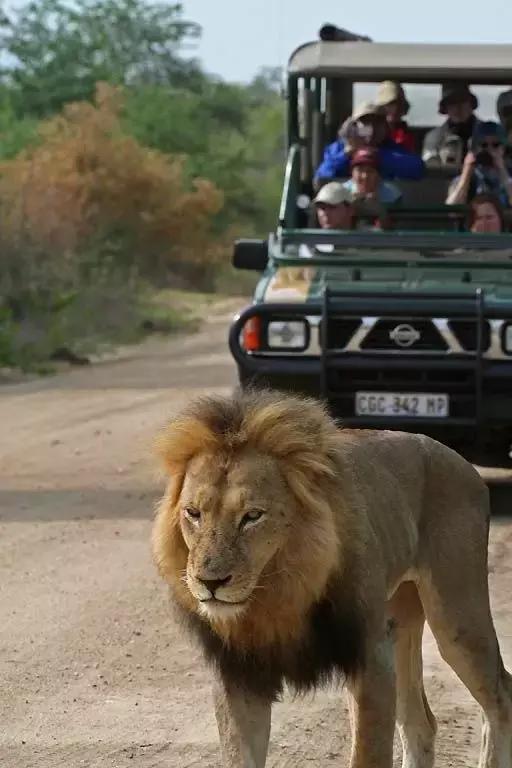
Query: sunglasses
x=490 y=144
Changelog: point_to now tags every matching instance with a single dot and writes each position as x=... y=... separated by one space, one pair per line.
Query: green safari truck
x=408 y=328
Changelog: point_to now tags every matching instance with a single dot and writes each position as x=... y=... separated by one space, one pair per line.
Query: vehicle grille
x=403 y=379
x=430 y=340
x=466 y=333
x=340 y=330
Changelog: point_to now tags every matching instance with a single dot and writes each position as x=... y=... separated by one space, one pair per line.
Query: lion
x=299 y=553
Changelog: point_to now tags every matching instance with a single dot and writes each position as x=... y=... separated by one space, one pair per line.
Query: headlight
x=507 y=339
x=288 y=334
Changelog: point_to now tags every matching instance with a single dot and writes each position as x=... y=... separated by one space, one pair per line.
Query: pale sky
x=240 y=36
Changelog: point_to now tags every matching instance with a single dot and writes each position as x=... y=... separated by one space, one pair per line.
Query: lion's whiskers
x=254 y=599
x=276 y=573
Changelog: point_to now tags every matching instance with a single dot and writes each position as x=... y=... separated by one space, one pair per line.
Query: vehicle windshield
x=402 y=246
x=424 y=100
x=406 y=255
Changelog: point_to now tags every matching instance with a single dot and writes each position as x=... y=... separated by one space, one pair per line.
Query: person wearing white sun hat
x=392 y=101
x=334 y=205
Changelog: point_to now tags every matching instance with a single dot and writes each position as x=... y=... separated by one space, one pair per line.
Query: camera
x=365 y=131
x=359 y=131
x=484 y=158
x=451 y=153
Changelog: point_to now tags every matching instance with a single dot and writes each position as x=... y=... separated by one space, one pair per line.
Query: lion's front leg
x=372 y=702
x=244 y=726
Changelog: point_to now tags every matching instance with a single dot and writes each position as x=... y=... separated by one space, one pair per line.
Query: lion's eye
x=251 y=517
x=193 y=514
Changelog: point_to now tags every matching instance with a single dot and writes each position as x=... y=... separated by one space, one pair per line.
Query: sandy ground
x=92 y=671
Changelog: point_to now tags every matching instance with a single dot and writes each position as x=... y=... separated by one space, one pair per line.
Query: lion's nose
x=214 y=584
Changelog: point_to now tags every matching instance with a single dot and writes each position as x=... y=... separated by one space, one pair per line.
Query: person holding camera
x=367 y=127
x=484 y=170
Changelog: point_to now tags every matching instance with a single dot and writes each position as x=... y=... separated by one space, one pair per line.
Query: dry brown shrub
x=86 y=180
x=88 y=217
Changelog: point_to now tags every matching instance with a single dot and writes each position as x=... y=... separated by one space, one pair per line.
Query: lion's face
x=234 y=517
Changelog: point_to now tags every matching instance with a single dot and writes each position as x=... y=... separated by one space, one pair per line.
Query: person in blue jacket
x=367 y=127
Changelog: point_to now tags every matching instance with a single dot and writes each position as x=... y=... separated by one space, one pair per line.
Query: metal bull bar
x=458 y=304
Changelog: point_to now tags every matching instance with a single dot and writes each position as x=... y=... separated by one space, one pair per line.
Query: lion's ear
x=174 y=487
x=170 y=551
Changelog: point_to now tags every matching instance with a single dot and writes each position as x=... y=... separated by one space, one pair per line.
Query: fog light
x=507 y=339
x=287 y=334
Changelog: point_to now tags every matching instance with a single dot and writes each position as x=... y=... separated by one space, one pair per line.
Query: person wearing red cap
x=366 y=183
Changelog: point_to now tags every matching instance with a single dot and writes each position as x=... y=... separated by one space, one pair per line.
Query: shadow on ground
x=76 y=504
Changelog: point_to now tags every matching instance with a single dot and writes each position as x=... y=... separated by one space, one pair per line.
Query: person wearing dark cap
x=448 y=144
x=391 y=100
x=484 y=170
x=367 y=127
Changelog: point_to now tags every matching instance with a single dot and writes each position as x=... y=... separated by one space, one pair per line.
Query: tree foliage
x=231 y=134
x=59 y=50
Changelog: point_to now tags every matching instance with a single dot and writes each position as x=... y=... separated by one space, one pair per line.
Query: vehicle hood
x=307 y=283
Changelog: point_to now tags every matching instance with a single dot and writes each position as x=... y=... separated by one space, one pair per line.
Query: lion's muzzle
x=212 y=585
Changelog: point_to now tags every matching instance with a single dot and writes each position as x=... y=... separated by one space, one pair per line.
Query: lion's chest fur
x=330 y=648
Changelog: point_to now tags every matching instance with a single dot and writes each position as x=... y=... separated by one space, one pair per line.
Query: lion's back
x=408 y=486
x=411 y=460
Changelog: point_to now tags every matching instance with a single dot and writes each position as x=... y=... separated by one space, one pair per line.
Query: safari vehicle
x=409 y=328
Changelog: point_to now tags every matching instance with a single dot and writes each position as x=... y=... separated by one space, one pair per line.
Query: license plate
x=422 y=405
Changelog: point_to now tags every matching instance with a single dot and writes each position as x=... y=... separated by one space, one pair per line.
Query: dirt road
x=92 y=672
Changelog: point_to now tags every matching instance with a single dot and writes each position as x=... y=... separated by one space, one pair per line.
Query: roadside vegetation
x=125 y=174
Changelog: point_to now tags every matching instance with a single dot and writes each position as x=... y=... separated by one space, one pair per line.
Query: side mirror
x=250 y=254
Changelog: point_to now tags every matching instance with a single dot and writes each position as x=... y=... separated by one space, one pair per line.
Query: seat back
x=432 y=189
x=440 y=218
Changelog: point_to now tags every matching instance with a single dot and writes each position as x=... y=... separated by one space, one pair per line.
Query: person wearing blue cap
x=484 y=170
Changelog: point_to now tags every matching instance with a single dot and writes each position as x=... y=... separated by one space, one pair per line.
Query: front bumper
x=480 y=390
x=347 y=376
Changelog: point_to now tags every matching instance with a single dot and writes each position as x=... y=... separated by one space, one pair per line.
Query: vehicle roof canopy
x=407 y=62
